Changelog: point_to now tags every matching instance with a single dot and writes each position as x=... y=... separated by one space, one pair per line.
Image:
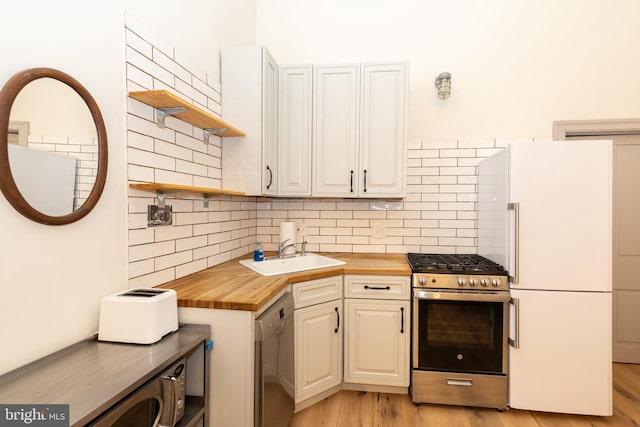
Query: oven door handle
x=462 y=296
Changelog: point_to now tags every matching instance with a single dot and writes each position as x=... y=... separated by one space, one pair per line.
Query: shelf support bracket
x=161 y=199
x=205 y=200
x=206 y=133
x=161 y=113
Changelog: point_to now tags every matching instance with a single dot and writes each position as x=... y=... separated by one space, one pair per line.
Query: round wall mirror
x=53 y=146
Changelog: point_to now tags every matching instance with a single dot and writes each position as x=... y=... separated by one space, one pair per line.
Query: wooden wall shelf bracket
x=168 y=104
x=162 y=189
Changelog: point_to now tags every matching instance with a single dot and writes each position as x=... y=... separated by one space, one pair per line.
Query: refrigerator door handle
x=515 y=207
x=515 y=341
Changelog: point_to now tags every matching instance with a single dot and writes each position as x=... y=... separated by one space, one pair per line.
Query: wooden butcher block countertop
x=233 y=286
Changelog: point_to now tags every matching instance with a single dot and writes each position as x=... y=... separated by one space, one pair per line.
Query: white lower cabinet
x=377 y=340
x=318 y=349
x=376 y=337
x=377 y=329
x=318 y=324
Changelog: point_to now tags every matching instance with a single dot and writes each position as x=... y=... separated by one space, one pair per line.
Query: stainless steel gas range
x=460 y=330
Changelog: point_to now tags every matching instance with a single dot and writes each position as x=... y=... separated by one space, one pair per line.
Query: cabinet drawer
x=317 y=291
x=377 y=287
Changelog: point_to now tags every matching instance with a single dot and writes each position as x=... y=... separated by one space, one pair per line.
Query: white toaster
x=139 y=316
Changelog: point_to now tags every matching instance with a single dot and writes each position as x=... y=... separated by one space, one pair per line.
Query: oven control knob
x=422 y=281
x=461 y=281
x=496 y=283
x=483 y=282
x=473 y=282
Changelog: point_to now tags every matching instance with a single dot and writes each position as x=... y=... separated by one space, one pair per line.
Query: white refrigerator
x=545 y=213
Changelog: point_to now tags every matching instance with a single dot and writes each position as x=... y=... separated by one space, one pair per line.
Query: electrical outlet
x=301 y=229
x=379 y=231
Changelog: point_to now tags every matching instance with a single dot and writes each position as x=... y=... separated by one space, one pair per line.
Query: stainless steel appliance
x=460 y=330
x=160 y=402
x=274 y=365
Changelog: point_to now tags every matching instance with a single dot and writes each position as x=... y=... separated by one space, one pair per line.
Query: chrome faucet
x=283 y=248
x=303 y=252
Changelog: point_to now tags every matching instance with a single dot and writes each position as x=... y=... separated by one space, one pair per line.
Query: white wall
x=53 y=278
x=516 y=65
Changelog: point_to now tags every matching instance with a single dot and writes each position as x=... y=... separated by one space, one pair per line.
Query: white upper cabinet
x=383 y=140
x=294 y=145
x=359 y=135
x=322 y=130
x=335 y=132
x=250 y=95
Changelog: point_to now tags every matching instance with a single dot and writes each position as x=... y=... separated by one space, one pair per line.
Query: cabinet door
x=335 y=133
x=318 y=348
x=383 y=146
x=250 y=100
x=377 y=342
x=294 y=153
x=563 y=360
x=270 y=97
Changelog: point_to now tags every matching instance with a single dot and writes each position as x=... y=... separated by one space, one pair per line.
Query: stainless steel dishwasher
x=274 y=365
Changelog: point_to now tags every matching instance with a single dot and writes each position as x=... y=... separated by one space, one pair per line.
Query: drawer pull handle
x=460 y=382
x=378 y=288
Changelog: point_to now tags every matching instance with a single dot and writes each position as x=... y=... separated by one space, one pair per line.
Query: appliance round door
x=145 y=408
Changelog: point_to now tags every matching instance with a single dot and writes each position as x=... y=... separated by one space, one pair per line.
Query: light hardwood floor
x=350 y=409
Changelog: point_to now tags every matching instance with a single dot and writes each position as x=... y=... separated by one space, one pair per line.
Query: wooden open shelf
x=176 y=187
x=162 y=99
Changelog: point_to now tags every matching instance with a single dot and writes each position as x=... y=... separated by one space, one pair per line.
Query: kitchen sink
x=291 y=264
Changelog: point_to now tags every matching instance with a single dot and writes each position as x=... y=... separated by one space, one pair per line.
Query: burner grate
x=452 y=263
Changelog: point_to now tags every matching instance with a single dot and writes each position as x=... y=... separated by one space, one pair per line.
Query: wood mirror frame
x=8 y=185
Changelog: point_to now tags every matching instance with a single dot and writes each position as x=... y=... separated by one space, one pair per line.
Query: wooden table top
x=233 y=286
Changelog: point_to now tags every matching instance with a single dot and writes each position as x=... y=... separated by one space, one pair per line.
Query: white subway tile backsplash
x=486 y=152
x=172 y=260
x=201 y=181
x=141 y=236
x=146 y=127
x=463 y=152
x=196 y=97
x=476 y=143
x=166 y=176
x=191 y=243
x=139 y=44
x=191 y=168
x=150 y=159
x=170 y=65
x=173 y=233
x=140 y=141
x=153 y=279
x=206 y=251
x=148 y=66
x=139 y=77
x=151 y=250
x=141 y=268
x=137 y=220
x=187 y=218
x=191 y=267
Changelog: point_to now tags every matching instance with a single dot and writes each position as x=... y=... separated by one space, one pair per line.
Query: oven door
x=460 y=331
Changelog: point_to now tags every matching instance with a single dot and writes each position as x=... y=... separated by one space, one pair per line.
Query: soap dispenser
x=258 y=252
